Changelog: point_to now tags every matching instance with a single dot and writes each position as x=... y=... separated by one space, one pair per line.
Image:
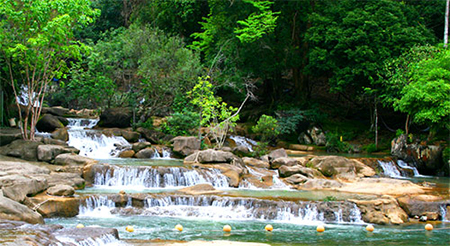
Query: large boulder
x=18 y=187
x=248 y=161
x=277 y=154
x=70 y=159
x=51 y=206
x=116 y=117
x=283 y=161
x=12 y=210
x=26 y=150
x=145 y=153
x=185 y=146
x=317 y=136
x=49 y=152
x=421 y=205
x=49 y=123
x=61 y=134
x=136 y=147
x=56 y=111
x=381 y=211
x=127 y=153
x=7 y=135
x=340 y=167
x=287 y=171
x=61 y=190
x=152 y=136
x=296 y=179
x=211 y=156
x=131 y=136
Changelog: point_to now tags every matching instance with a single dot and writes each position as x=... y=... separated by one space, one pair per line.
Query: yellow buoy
x=80 y=226
x=370 y=228
x=429 y=227
x=320 y=228
x=179 y=227
x=227 y=228
x=129 y=229
x=268 y=227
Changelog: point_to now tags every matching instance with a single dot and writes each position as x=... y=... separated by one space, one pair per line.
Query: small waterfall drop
x=159 y=177
x=92 y=143
x=405 y=165
x=443 y=209
x=243 y=141
x=165 y=154
x=96 y=207
x=390 y=169
x=107 y=239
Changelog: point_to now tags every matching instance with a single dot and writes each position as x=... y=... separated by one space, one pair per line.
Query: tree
x=36 y=39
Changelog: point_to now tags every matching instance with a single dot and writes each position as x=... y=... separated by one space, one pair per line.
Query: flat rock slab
x=216 y=243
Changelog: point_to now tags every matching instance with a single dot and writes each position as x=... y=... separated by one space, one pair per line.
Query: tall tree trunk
x=446 y=24
x=376 y=125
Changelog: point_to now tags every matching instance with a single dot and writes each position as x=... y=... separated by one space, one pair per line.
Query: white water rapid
x=92 y=143
x=391 y=169
x=243 y=141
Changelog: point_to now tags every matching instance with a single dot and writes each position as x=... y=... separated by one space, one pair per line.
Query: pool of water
x=151 y=227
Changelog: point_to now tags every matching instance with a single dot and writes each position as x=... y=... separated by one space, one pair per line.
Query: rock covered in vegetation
x=116 y=117
x=185 y=146
x=49 y=123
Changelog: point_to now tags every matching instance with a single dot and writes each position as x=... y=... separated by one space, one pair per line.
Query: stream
x=149 y=202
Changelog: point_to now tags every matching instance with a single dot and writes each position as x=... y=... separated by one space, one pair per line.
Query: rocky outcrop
x=7 y=135
x=61 y=190
x=128 y=134
x=12 y=210
x=383 y=186
x=211 y=156
x=56 y=111
x=431 y=207
x=381 y=211
x=53 y=206
x=48 y=152
x=287 y=171
x=145 y=153
x=127 y=153
x=255 y=162
x=428 y=158
x=61 y=134
x=18 y=187
x=283 y=161
x=49 y=123
x=275 y=154
x=185 y=146
x=340 y=167
x=116 y=117
x=200 y=189
x=26 y=150
x=73 y=160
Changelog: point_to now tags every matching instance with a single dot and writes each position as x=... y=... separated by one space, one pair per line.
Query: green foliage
x=288 y=120
x=446 y=155
x=260 y=149
x=215 y=114
x=370 y=148
x=257 y=24
x=334 y=143
x=267 y=126
x=135 y=64
x=181 y=123
x=399 y=132
x=351 y=38
x=330 y=199
x=148 y=124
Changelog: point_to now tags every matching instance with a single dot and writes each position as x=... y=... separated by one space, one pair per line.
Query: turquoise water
x=150 y=227
x=142 y=162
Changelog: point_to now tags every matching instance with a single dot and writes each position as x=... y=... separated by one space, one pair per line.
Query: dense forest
x=360 y=70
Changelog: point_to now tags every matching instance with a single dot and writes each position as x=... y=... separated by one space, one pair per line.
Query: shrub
x=181 y=124
x=267 y=127
x=370 y=148
x=334 y=144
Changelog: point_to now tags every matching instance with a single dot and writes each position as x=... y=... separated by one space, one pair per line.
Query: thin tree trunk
x=407 y=125
x=376 y=125
x=446 y=24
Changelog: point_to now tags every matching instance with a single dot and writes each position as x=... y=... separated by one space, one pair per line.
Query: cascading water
x=96 y=207
x=92 y=143
x=217 y=207
x=99 y=241
x=243 y=141
x=405 y=165
x=159 y=177
x=165 y=154
x=443 y=209
x=390 y=169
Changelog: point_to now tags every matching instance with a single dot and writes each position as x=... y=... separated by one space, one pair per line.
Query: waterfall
x=390 y=169
x=80 y=123
x=159 y=177
x=443 y=209
x=165 y=154
x=405 y=165
x=243 y=141
x=215 y=207
x=96 y=207
x=107 y=239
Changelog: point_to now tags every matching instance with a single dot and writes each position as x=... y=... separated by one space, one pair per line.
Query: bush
x=181 y=124
x=289 y=120
x=370 y=148
x=259 y=150
x=267 y=127
x=334 y=143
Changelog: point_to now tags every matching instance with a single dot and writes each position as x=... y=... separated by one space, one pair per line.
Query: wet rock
x=200 y=189
x=18 y=187
x=61 y=190
x=12 y=210
x=152 y=136
x=383 y=186
x=277 y=154
x=319 y=184
x=26 y=150
x=47 y=152
x=381 y=211
x=7 y=135
x=131 y=136
x=297 y=179
x=418 y=205
x=241 y=150
x=73 y=160
x=52 y=141
x=255 y=162
x=86 y=235
x=232 y=172
x=185 y=146
x=286 y=171
x=140 y=145
x=145 y=153
x=283 y=161
x=61 y=134
x=116 y=117
x=51 y=206
x=211 y=156
x=127 y=153
x=49 y=123
x=317 y=136
x=56 y=111
x=90 y=170
x=340 y=167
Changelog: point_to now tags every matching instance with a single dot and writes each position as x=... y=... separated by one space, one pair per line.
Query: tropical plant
x=267 y=127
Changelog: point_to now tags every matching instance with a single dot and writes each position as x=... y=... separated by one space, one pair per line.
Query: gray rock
x=211 y=156
x=26 y=150
x=61 y=190
x=69 y=159
x=18 y=187
x=335 y=166
x=296 y=179
x=277 y=154
x=116 y=117
x=283 y=161
x=286 y=171
x=140 y=145
x=145 y=153
x=49 y=123
x=317 y=136
x=56 y=111
x=185 y=145
x=49 y=152
x=12 y=210
x=7 y=135
x=319 y=184
x=131 y=136
x=255 y=162
x=61 y=134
